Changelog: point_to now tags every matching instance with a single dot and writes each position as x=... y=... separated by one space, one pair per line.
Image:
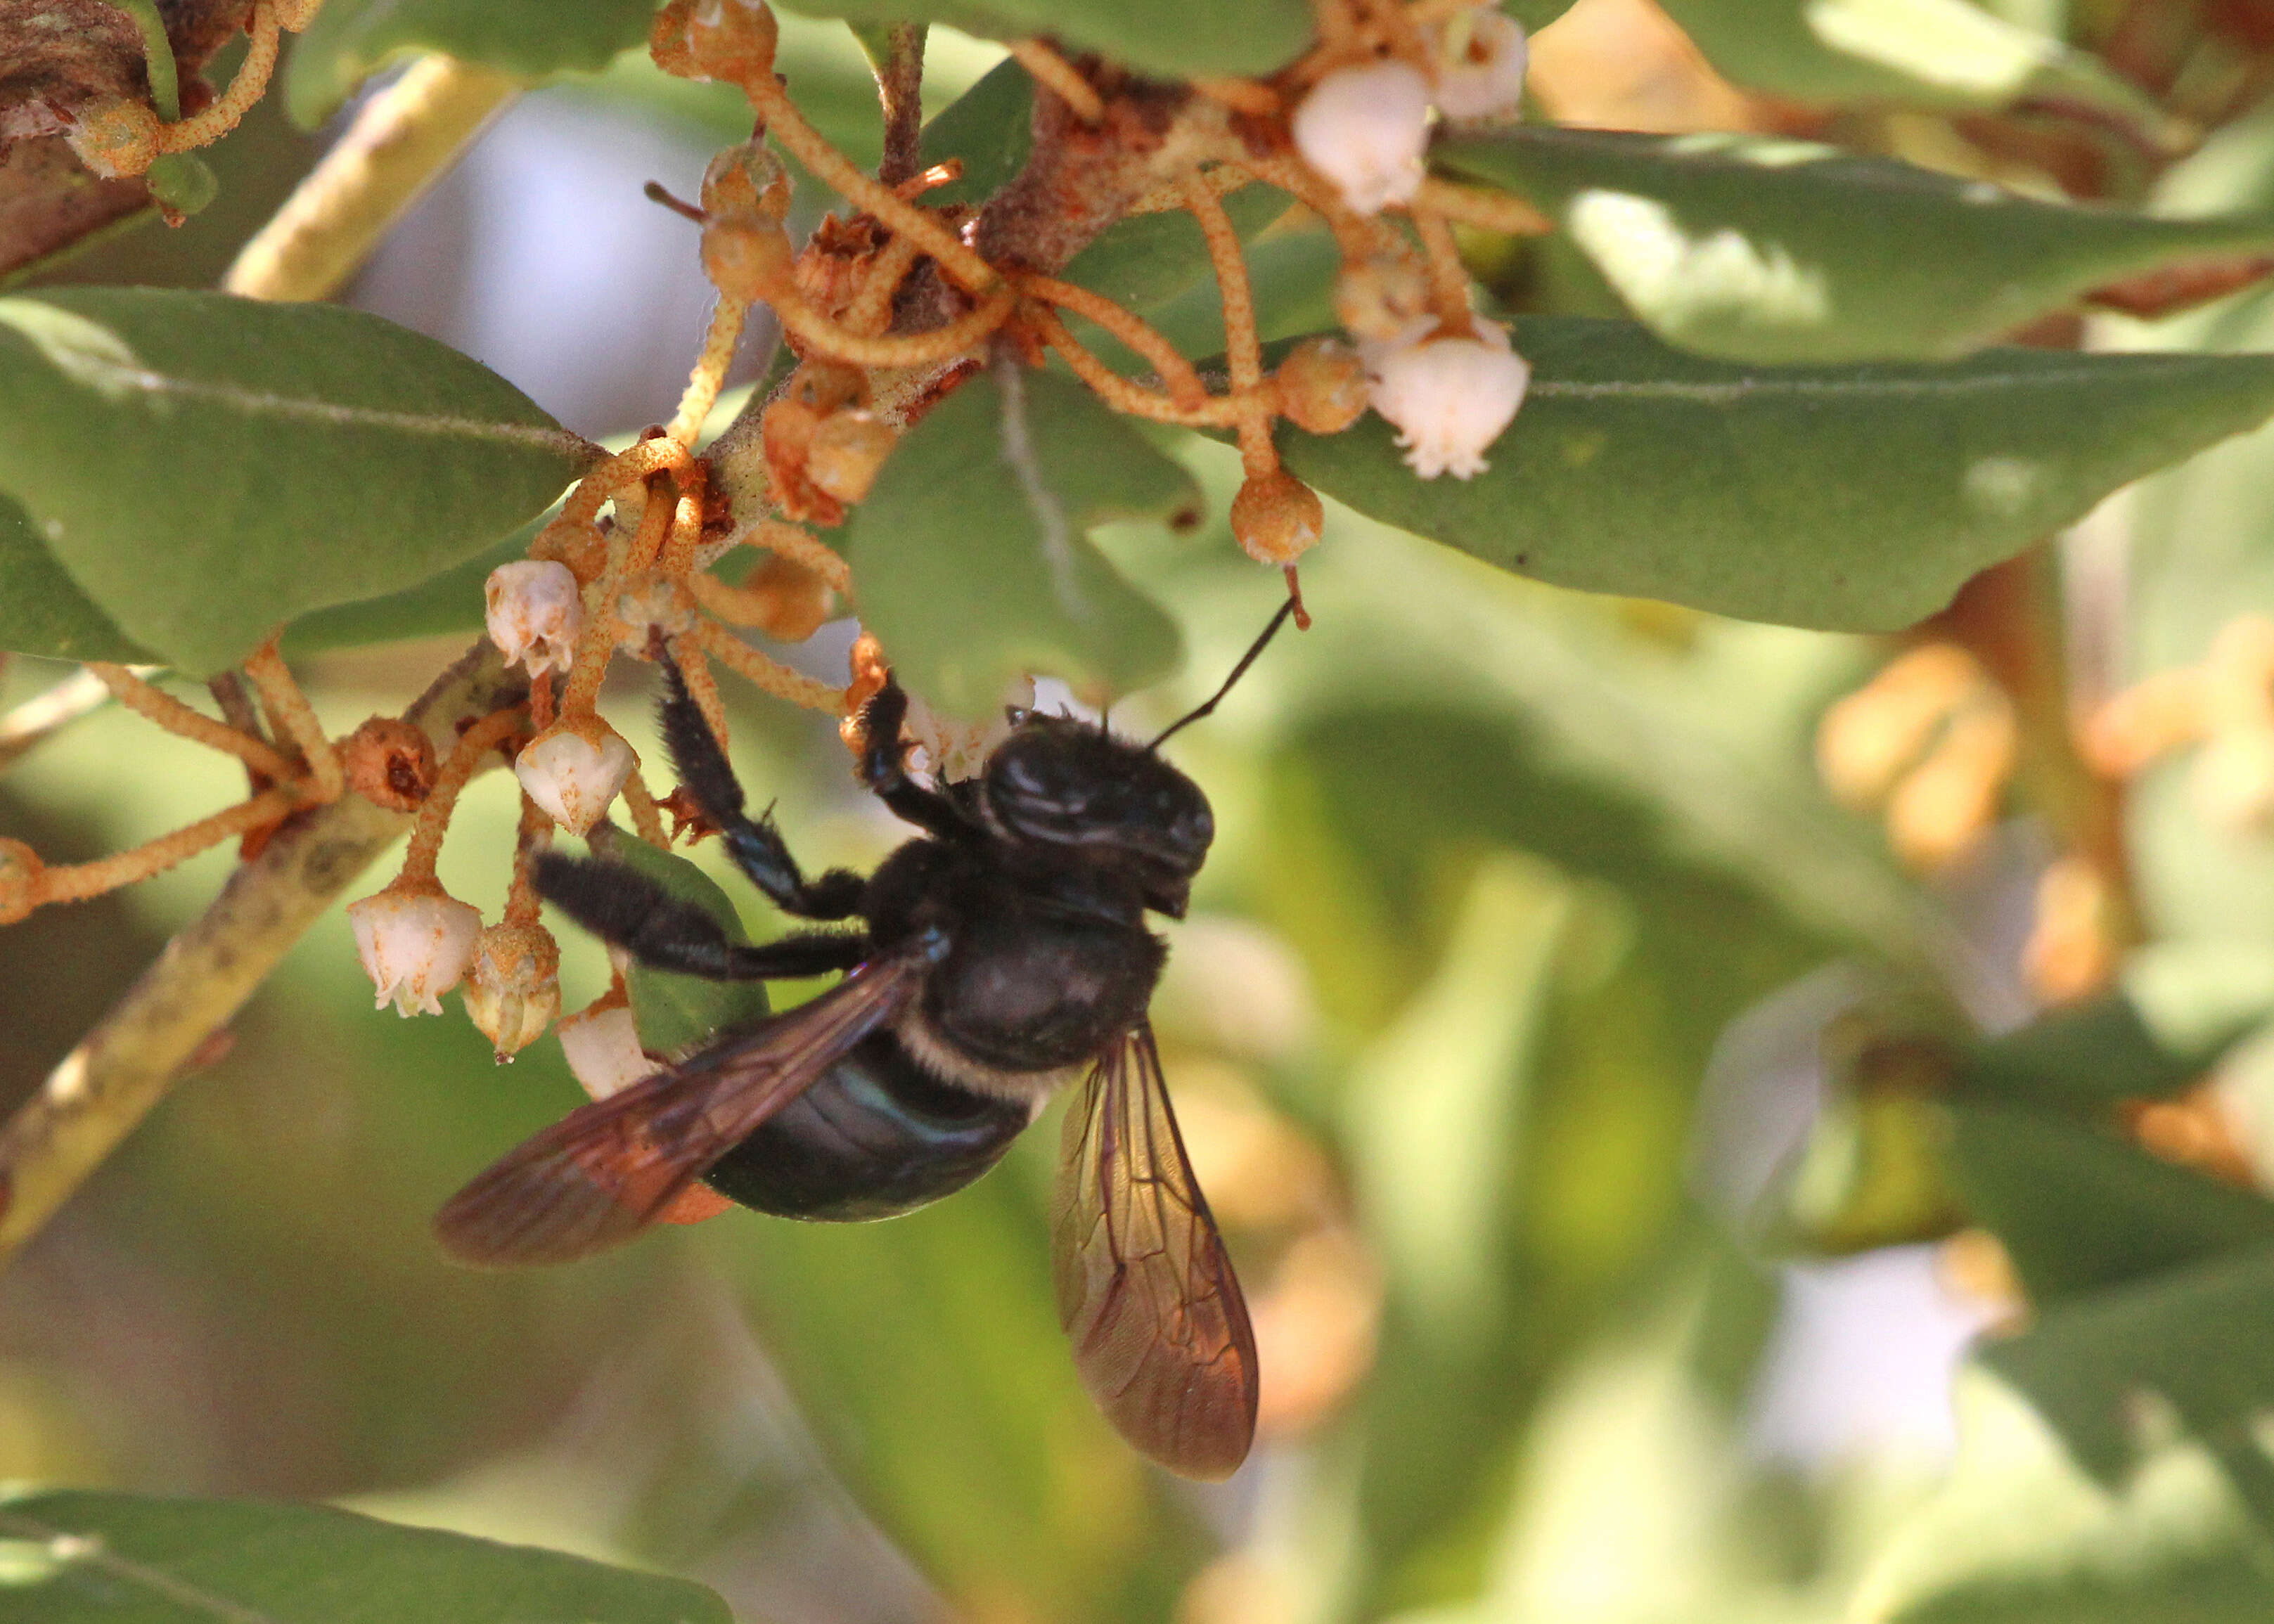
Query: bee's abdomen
x=875 y=1137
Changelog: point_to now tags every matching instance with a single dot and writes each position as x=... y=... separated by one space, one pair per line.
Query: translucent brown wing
x=603 y=1173
x=1145 y=1293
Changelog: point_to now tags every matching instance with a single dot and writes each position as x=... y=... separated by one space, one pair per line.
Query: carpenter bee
x=1002 y=953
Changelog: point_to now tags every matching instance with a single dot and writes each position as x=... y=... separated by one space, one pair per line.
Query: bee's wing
x=1145 y=1293
x=603 y=1173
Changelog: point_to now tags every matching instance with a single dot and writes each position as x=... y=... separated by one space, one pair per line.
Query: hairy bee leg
x=624 y=906
x=803 y=953
x=754 y=845
x=884 y=768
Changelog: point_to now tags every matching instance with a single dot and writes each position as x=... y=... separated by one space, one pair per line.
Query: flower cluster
x=885 y=308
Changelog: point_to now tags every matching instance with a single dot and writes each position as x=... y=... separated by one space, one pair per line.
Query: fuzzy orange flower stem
x=1490 y=211
x=647 y=819
x=1241 y=96
x=1421 y=13
x=1355 y=235
x=1242 y=349
x=633 y=464
x=800 y=316
x=541 y=703
x=677 y=559
x=296 y=718
x=1057 y=75
x=177 y=717
x=77 y=882
x=1449 y=279
x=1177 y=374
x=533 y=836
x=1218 y=411
x=597 y=640
x=1337 y=26
x=799 y=548
x=870 y=312
x=737 y=605
x=702 y=686
x=709 y=373
x=834 y=170
x=232 y=104
x=763 y=671
x=465 y=758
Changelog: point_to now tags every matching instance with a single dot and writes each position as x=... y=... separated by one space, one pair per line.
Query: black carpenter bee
x=1004 y=953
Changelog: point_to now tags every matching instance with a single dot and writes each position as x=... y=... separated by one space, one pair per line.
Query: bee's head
x=1065 y=784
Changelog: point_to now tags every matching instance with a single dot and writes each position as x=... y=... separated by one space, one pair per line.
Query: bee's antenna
x=1254 y=648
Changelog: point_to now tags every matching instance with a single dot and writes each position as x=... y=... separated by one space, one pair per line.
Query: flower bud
x=651 y=603
x=1364 y=129
x=747 y=261
x=795 y=599
x=1382 y=298
x=576 y=542
x=114 y=136
x=730 y=40
x=746 y=185
x=1478 y=55
x=603 y=1048
x=20 y=880
x=955 y=749
x=515 y=990
x=573 y=770
x=1276 y=518
x=1322 y=385
x=536 y=614
x=390 y=763
x=846 y=450
x=1448 y=397
x=415 y=941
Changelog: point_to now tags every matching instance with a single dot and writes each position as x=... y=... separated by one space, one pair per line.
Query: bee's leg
x=624 y=906
x=754 y=843
x=802 y=954
x=884 y=768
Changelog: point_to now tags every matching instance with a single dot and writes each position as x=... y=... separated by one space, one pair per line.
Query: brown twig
x=899 y=87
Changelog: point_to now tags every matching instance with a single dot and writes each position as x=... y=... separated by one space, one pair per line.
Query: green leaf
x=1170 y=38
x=210 y=468
x=2017 y=1534
x=990 y=128
x=2078 y=1208
x=350 y=40
x=1852 y=498
x=449 y=601
x=1944 y=55
x=42 y=611
x=128 y=1558
x=2179 y=1012
x=1758 y=248
x=2195 y=1338
x=673 y=1012
x=1145 y=261
x=972 y=552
